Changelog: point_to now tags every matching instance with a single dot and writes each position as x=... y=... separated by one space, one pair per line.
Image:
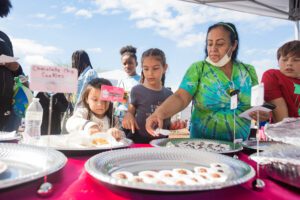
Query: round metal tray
x=186 y=143
x=263 y=145
x=26 y=163
x=102 y=165
x=65 y=147
x=281 y=163
x=9 y=136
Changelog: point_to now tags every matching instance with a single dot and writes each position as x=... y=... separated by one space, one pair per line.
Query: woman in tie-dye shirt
x=210 y=84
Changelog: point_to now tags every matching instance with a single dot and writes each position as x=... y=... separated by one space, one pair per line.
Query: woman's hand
x=94 y=129
x=153 y=122
x=263 y=115
x=129 y=122
x=178 y=124
x=116 y=133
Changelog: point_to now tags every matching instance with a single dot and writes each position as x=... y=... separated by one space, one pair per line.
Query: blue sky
x=46 y=32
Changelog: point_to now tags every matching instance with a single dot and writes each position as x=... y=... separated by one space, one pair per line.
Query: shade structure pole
x=297 y=30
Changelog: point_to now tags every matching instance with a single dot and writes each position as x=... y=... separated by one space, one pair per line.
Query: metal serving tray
x=195 y=144
x=9 y=136
x=58 y=142
x=26 y=163
x=282 y=162
x=263 y=145
x=102 y=165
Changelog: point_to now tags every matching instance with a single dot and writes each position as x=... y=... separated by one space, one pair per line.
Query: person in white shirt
x=129 y=62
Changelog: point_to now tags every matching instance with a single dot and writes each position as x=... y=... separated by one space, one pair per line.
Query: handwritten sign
x=53 y=79
x=257 y=95
x=111 y=93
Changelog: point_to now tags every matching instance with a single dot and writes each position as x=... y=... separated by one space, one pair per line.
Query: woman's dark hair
x=96 y=83
x=5 y=49
x=160 y=56
x=130 y=51
x=80 y=60
x=233 y=36
x=291 y=48
x=5 y=6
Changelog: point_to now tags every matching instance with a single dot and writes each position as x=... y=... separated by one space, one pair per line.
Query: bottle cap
x=35 y=99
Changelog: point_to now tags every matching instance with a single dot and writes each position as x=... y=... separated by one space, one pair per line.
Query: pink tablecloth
x=73 y=182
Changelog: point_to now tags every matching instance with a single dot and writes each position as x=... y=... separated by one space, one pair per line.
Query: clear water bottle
x=33 y=119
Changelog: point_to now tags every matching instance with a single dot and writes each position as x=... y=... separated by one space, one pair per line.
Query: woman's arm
x=172 y=105
x=281 y=110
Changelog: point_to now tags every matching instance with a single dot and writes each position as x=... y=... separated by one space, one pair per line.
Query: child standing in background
x=94 y=115
x=129 y=62
x=146 y=97
x=81 y=62
x=281 y=84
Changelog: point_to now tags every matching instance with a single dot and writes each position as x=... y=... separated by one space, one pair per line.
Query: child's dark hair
x=96 y=83
x=160 y=56
x=80 y=60
x=233 y=36
x=291 y=48
x=130 y=51
x=5 y=6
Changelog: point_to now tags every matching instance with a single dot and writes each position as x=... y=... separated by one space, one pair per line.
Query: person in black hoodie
x=8 y=71
x=8 y=120
x=59 y=106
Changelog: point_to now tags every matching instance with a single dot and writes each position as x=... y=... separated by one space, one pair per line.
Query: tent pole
x=297 y=30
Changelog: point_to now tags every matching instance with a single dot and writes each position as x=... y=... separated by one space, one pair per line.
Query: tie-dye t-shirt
x=212 y=117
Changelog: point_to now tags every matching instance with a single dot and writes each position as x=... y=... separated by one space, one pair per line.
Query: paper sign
x=53 y=79
x=233 y=101
x=257 y=95
x=111 y=93
x=256 y=108
x=297 y=88
x=7 y=59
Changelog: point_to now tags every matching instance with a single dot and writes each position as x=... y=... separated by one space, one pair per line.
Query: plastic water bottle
x=33 y=119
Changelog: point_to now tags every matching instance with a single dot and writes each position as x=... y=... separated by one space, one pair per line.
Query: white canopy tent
x=113 y=75
x=283 y=9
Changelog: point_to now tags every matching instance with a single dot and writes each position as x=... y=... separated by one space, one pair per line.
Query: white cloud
x=44 y=16
x=146 y=23
x=36 y=60
x=192 y=39
x=265 y=52
x=173 y=19
x=84 y=13
x=107 y=5
x=45 y=26
x=69 y=9
x=33 y=52
x=94 y=50
x=31 y=47
x=263 y=65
